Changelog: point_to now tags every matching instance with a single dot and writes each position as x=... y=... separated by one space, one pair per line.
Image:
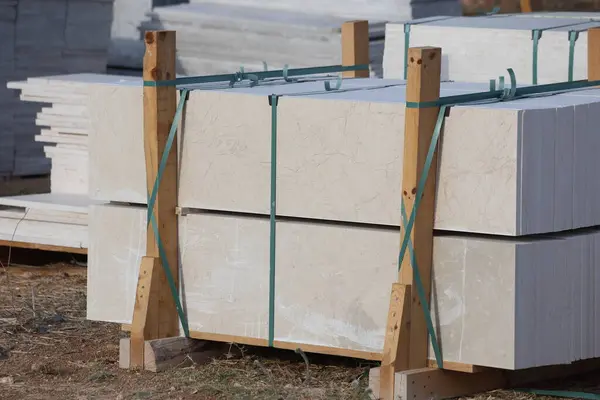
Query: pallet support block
x=163 y=354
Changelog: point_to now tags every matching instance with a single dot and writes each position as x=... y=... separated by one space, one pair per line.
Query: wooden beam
x=423 y=85
x=593 y=57
x=144 y=324
x=164 y=354
x=395 y=349
x=526 y=6
x=308 y=348
x=355 y=47
x=155 y=315
x=159 y=112
x=44 y=247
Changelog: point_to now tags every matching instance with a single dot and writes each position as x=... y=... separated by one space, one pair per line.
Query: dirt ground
x=48 y=350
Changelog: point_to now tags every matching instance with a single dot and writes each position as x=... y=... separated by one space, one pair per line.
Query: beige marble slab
x=506 y=303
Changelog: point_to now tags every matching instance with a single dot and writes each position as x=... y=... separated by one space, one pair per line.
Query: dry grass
x=49 y=351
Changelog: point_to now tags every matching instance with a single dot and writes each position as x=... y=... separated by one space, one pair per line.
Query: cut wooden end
x=164 y=354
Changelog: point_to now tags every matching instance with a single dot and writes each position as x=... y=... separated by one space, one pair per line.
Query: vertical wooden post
x=395 y=349
x=423 y=85
x=593 y=51
x=155 y=315
x=526 y=6
x=355 y=47
x=406 y=341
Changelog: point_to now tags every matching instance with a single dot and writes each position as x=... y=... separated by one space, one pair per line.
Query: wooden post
x=526 y=6
x=395 y=349
x=155 y=315
x=406 y=341
x=355 y=47
x=593 y=50
x=423 y=85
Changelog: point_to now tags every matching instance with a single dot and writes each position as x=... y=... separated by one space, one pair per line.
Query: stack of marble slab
x=126 y=45
x=384 y=10
x=52 y=219
x=520 y=172
x=217 y=38
x=58 y=218
x=476 y=49
x=64 y=124
x=43 y=37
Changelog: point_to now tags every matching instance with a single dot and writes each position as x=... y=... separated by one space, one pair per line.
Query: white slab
x=495 y=43
x=502 y=303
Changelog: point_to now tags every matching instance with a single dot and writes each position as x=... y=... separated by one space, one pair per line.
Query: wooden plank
x=459 y=367
x=308 y=348
x=159 y=112
x=163 y=354
x=144 y=324
x=433 y=383
x=355 y=47
x=45 y=247
x=423 y=85
x=593 y=66
x=395 y=349
x=526 y=6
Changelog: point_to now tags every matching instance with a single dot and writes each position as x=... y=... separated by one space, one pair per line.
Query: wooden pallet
x=405 y=371
x=155 y=316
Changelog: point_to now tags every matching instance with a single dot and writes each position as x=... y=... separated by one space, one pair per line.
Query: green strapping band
x=537 y=34
x=573 y=36
x=152 y=220
x=273 y=100
x=408 y=229
x=255 y=76
x=522 y=92
x=406 y=45
x=421 y=293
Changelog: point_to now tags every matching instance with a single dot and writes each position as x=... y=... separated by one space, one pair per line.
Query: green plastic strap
x=537 y=34
x=406 y=45
x=273 y=100
x=421 y=291
x=239 y=76
x=152 y=219
x=522 y=92
x=573 y=36
x=407 y=26
x=562 y=393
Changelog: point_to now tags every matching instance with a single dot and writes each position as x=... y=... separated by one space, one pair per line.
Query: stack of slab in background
x=126 y=46
x=43 y=37
x=477 y=49
x=382 y=10
x=58 y=218
x=214 y=38
x=514 y=274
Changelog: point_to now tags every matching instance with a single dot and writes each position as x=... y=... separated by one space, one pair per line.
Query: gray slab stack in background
x=38 y=38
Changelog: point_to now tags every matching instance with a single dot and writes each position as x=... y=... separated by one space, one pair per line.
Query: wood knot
x=149 y=37
x=414 y=191
x=419 y=61
x=155 y=73
x=431 y=56
x=412 y=59
x=405 y=193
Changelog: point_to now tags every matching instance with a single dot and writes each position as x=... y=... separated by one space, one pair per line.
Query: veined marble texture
x=506 y=303
x=512 y=168
x=477 y=49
